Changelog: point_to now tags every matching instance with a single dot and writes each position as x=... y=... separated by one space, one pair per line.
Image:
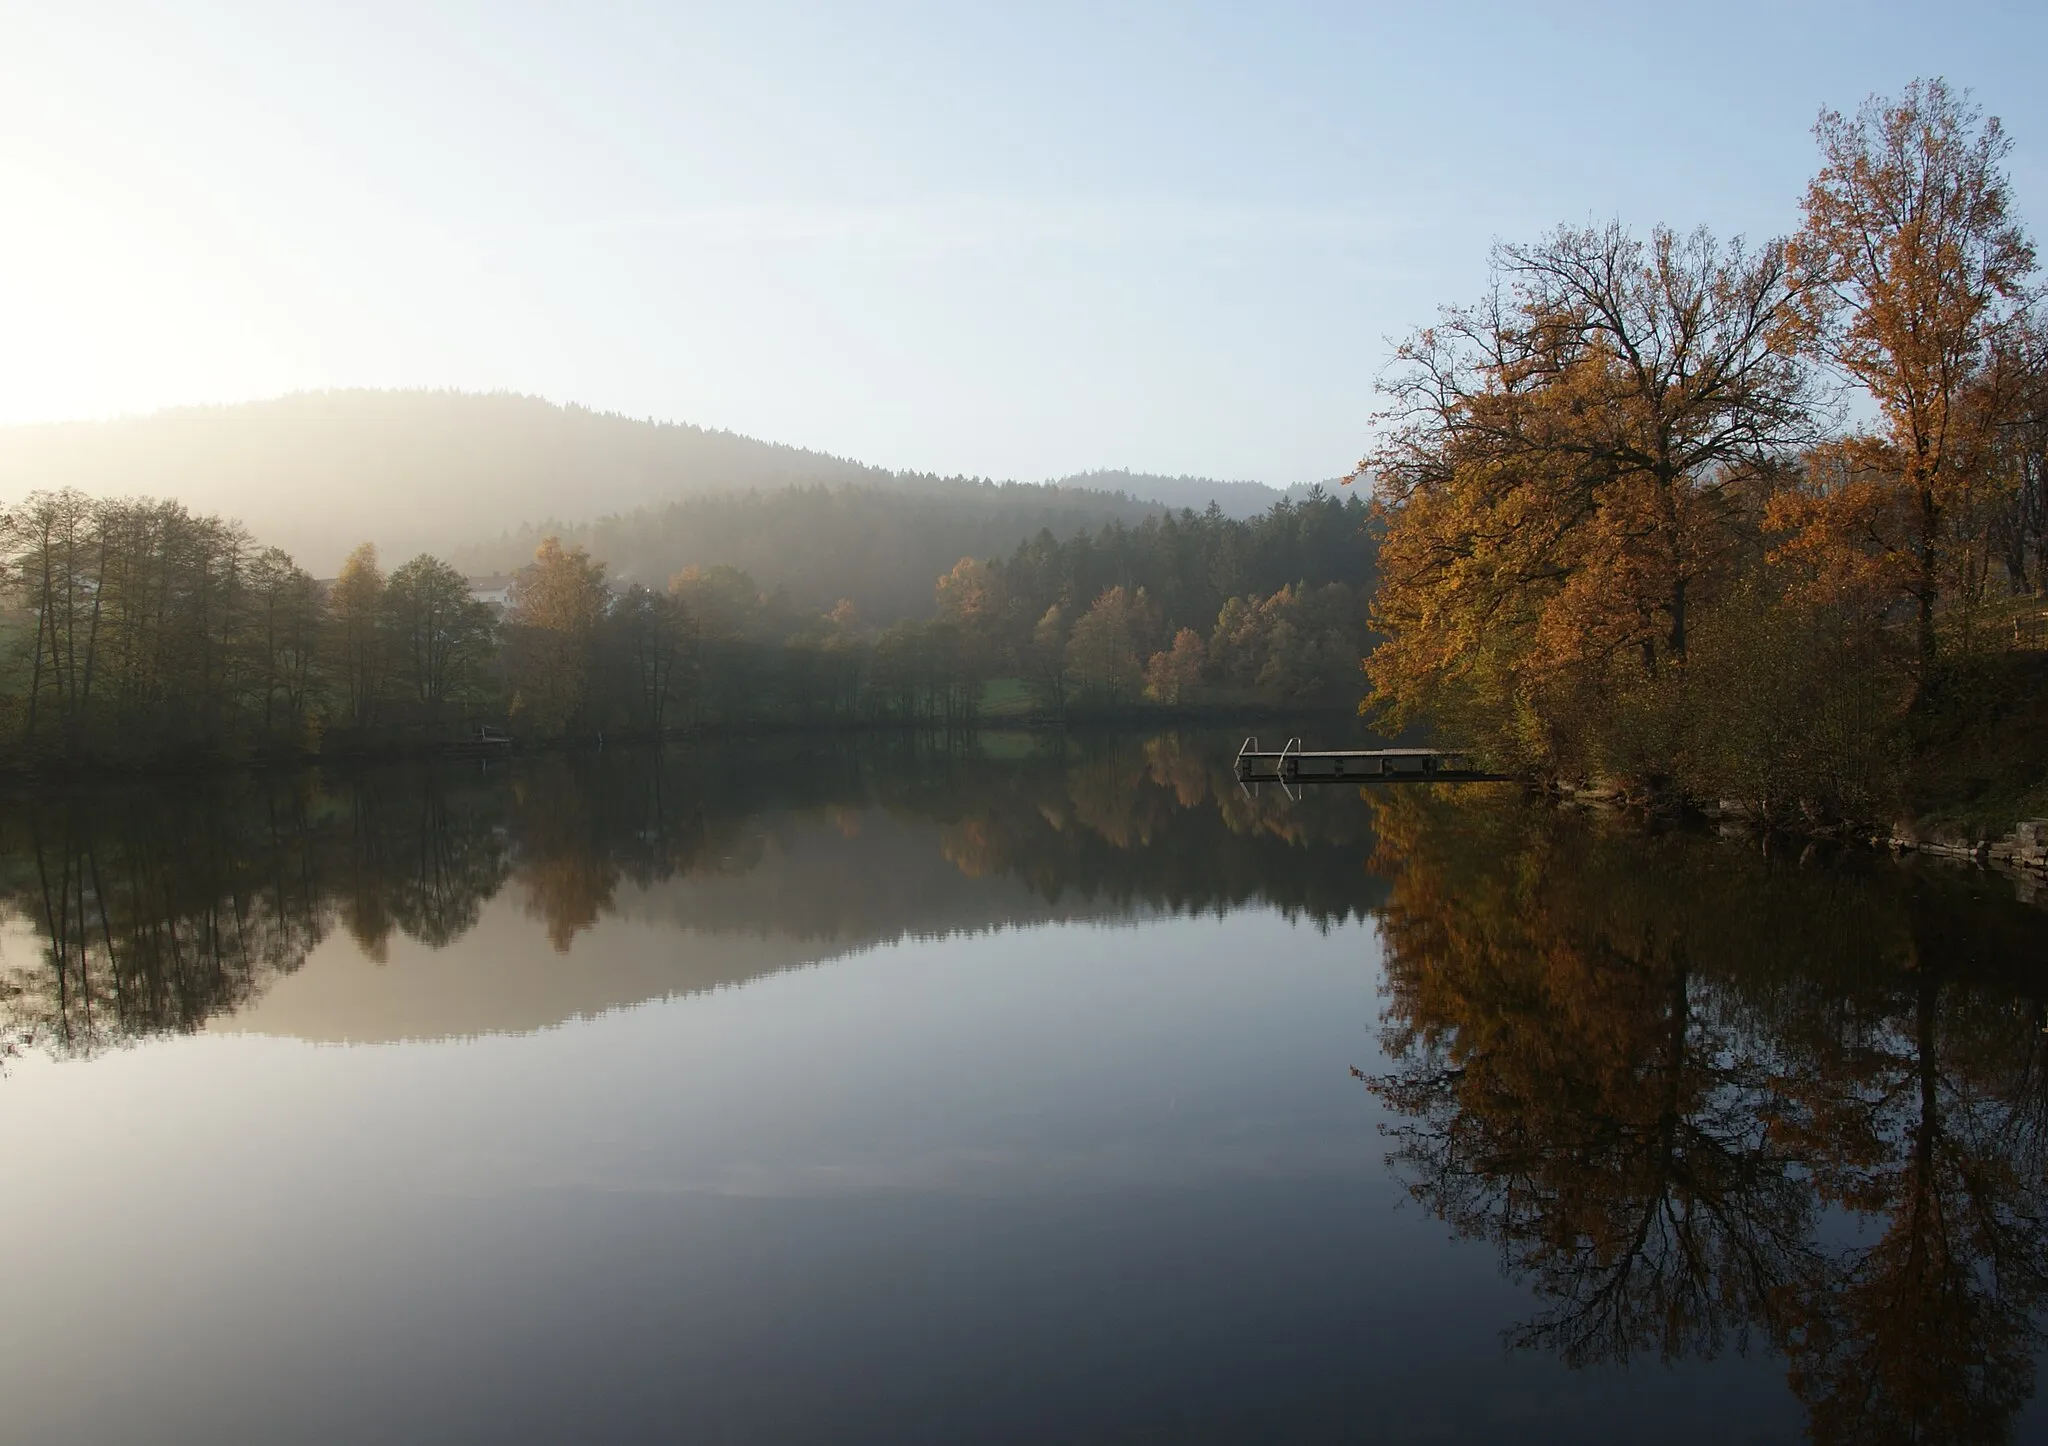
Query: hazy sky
x=1021 y=240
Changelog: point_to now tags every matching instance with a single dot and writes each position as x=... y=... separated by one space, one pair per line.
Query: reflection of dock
x=484 y=741
x=1294 y=764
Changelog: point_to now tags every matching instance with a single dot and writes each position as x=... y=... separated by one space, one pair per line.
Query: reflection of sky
x=946 y=1190
x=21 y=946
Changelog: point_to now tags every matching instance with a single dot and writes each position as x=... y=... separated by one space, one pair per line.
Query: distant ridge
x=317 y=472
x=1234 y=499
x=443 y=471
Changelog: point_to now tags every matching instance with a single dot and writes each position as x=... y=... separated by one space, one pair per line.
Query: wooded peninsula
x=1758 y=524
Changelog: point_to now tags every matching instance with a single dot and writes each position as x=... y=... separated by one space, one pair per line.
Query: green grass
x=1007 y=698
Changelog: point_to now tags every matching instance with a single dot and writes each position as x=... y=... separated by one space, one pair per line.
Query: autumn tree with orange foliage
x=1575 y=467
x=1625 y=535
x=558 y=600
x=1915 y=275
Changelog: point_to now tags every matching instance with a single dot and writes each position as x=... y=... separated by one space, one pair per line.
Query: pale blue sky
x=1016 y=241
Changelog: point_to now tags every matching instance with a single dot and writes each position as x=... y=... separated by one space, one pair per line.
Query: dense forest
x=1764 y=524
x=879 y=547
x=136 y=632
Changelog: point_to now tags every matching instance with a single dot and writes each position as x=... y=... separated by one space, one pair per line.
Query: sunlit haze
x=1018 y=243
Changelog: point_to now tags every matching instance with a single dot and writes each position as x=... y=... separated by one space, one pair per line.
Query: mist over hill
x=445 y=472
x=1234 y=499
x=317 y=472
x=880 y=547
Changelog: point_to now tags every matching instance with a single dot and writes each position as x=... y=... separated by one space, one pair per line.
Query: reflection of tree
x=1666 y=1079
x=566 y=872
x=444 y=866
x=158 y=909
x=422 y=853
x=1111 y=792
x=1578 y=1096
x=970 y=847
x=170 y=905
x=154 y=913
x=365 y=905
x=1921 y=1113
x=580 y=827
x=1178 y=765
x=1160 y=822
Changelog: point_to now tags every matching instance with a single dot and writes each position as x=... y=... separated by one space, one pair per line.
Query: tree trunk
x=1927 y=586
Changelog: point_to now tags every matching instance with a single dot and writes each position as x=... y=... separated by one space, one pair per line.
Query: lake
x=1017 y=1091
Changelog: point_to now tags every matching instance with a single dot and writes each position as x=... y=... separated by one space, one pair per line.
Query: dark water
x=807 y=1094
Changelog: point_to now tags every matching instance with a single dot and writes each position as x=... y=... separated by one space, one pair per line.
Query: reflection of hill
x=433 y=901
x=844 y=883
x=800 y=890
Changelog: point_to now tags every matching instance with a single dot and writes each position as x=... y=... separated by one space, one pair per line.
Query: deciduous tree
x=557 y=600
x=441 y=637
x=355 y=605
x=1575 y=465
x=1917 y=274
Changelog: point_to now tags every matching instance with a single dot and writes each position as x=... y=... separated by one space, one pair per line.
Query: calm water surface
x=999 y=1094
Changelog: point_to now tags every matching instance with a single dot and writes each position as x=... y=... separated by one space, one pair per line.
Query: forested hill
x=879 y=547
x=413 y=471
x=425 y=471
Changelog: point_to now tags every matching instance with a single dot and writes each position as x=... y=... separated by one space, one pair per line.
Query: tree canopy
x=1629 y=531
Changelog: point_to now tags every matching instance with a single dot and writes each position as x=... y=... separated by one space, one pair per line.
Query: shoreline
x=2019 y=854
x=19 y=777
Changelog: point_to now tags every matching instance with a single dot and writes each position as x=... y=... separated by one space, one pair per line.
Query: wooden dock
x=484 y=741
x=1294 y=764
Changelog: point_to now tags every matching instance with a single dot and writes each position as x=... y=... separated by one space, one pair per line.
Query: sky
x=1014 y=241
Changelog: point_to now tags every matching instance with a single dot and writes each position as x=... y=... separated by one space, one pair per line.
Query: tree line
x=1734 y=522
x=135 y=632
x=876 y=544
x=1181 y=610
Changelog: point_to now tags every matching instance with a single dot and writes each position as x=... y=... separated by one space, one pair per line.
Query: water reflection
x=154 y=910
x=1697 y=1095
x=1701 y=1096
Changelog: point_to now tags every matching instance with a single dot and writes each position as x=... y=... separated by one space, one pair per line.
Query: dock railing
x=1295 y=764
